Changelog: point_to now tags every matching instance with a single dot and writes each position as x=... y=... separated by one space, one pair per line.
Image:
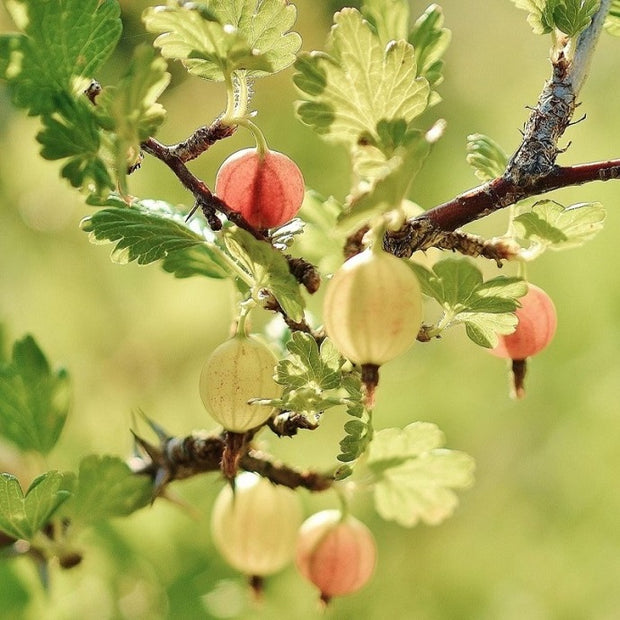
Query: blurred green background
x=537 y=537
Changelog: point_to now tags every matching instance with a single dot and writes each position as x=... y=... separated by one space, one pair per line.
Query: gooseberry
x=255 y=526
x=336 y=553
x=266 y=189
x=239 y=370
x=535 y=329
x=373 y=308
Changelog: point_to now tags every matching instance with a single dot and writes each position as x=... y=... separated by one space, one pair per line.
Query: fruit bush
x=298 y=172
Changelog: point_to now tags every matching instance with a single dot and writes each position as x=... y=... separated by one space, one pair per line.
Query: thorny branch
x=531 y=170
x=179 y=458
x=176 y=156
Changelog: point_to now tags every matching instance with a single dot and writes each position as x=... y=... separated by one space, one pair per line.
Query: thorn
x=162 y=478
x=162 y=435
x=153 y=452
x=195 y=208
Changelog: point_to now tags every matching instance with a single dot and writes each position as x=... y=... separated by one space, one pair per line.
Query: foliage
x=372 y=92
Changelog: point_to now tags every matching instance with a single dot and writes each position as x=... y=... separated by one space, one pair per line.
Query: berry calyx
x=239 y=370
x=255 y=526
x=267 y=188
x=337 y=554
x=535 y=330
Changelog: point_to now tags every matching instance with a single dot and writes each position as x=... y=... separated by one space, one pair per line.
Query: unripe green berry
x=239 y=370
x=255 y=527
x=373 y=308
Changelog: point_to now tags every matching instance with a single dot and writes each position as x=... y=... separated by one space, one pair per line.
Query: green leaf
x=573 y=16
x=552 y=226
x=265 y=268
x=130 y=109
x=485 y=308
x=612 y=21
x=63 y=40
x=153 y=230
x=215 y=39
x=359 y=83
x=569 y=16
x=34 y=400
x=485 y=156
x=22 y=516
x=359 y=431
x=389 y=18
x=72 y=132
x=307 y=365
x=106 y=487
x=389 y=179
x=321 y=242
x=415 y=475
x=430 y=41
x=265 y=24
x=540 y=17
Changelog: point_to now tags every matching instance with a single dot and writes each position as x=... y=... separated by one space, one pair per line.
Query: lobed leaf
x=153 y=230
x=391 y=179
x=573 y=16
x=485 y=156
x=308 y=366
x=359 y=83
x=553 y=226
x=215 y=39
x=72 y=132
x=568 y=16
x=430 y=41
x=415 y=476
x=34 y=399
x=266 y=268
x=130 y=110
x=62 y=40
x=22 y=516
x=388 y=18
x=105 y=488
x=485 y=308
x=539 y=15
x=612 y=21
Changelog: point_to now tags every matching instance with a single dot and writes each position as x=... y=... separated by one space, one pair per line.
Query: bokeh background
x=537 y=537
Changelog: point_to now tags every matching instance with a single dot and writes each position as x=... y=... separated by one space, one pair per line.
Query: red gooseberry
x=535 y=329
x=266 y=189
x=337 y=554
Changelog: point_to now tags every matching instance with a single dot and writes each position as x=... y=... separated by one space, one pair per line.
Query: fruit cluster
x=257 y=527
x=372 y=313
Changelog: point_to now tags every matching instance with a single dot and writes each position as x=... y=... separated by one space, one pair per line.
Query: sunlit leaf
x=556 y=227
x=485 y=308
x=267 y=268
x=485 y=156
x=62 y=40
x=217 y=38
x=153 y=230
x=359 y=83
x=415 y=476
x=130 y=109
